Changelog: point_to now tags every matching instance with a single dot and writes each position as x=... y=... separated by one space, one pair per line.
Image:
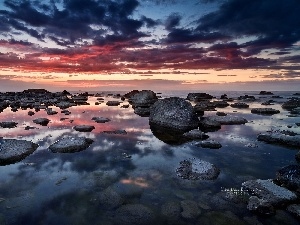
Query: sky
x=160 y=45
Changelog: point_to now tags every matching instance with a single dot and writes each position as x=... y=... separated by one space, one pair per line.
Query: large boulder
x=144 y=98
x=12 y=150
x=70 y=145
x=175 y=113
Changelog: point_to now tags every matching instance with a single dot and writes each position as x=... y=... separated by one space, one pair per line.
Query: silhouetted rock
x=144 y=98
x=291 y=104
x=69 y=145
x=195 y=169
x=198 y=96
x=12 y=150
x=31 y=113
x=282 y=138
x=221 y=114
x=174 y=113
x=142 y=111
x=42 y=121
x=204 y=106
x=8 y=124
x=264 y=111
x=209 y=144
x=100 y=119
x=266 y=93
x=131 y=94
x=239 y=105
x=247 y=98
x=113 y=103
x=123 y=132
x=84 y=128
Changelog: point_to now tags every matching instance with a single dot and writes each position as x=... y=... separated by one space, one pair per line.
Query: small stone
x=123 y=132
x=31 y=113
x=195 y=134
x=210 y=144
x=113 y=103
x=8 y=124
x=264 y=111
x=42 y=121
x=100 y=119
x=84 y=128
x=69 y=145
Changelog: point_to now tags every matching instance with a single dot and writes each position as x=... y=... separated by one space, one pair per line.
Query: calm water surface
x=53 y=188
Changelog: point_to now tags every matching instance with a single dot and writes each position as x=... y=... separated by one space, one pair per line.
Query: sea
x=131 y=178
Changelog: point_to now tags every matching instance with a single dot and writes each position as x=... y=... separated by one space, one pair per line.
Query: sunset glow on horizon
x=155 y=44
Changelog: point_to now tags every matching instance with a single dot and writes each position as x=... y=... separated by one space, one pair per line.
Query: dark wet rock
x=195 y=169
x=84 y=128
x=247 y=98
x=294 y=209
x=209 y=144
x=190 y=209
x=66 y=112
x=134 y=214
x=144 y=99
x=280 y=138
x=31 y=113
x=269 y=102
x=240 y=105
x=110 y=199
x=208 y=124
x=113 y=103
x=142 y=111
x=224 y=96
x=125 y=106
x=291 y=104
x=29 y=128
x=204 y=106
x=123 y=132
x=131 y=94
x=266 y=93
x=198 y=96
x=297 y=156
x=270 y=193
x=171 y=211
x=42 y=121
x=223 y=120
x=295 y=111
x=65 y=104
x=70 y=145
x=264 y=111
x=196 y=135
x=220 y=104
x=8 y=124
x=260 y=206
x=174 y=113
x=12 y=150
x=101 y=119
x=168 y=135
x=50 y=111
x=221 y=114
x=289 y=176
x=100 y=99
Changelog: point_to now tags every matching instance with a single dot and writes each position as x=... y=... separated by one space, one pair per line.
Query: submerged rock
x=280 y=138
x=12 y=150
x=216 y=121
x=264 y=111
x=114 y=132
x=70 y=145
x=268 y=194
x=171 y=211
x=209 y=144
x=195 y=169
x=196 y=134
x=84 y=128
x=110 y=199
x=289 y=176
x=134 y=214
x=42 y=121
x=198 y=96
x=8 y=124
x=174 y=113
x=100 y=119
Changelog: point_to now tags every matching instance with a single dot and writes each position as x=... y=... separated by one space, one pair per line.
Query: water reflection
x=52 y=188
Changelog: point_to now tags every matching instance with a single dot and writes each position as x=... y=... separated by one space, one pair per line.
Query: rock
x=174 y=113
x=115 y=132
x=31 y=113
x=100 y=119
x=110 y=199
x=190 y=209
x=240 y=105
x=50 y=111
x=204 y=106
x=260 y=206
x=12 y=150
x=297 y=156
x=266 y=93
x=113 y=103
x=264 y=111
x=280 y=138
x=209 y=144
x=294 y=209
x=65 y=104
x=247 y=98
x=221 y=114
x=70 y=145
x=142 y=111
x=291 y=104
x=195 y=169
x=131 y=94
x=8 y=124
x=198 y=96
x=223 y=120
x=269 y=102
x=171 y=211
x=66 y=112
x=295 y=111
x=195 y=134
x=220 y=104
x=289 y=176
x=144 y=98
x=271 y=193
x=134 y=214
x=84 y=128
x=29 y=128
x=42 y=121
x=208 y=124
x=125 y=106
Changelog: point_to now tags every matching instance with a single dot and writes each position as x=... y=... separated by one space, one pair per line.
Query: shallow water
x=54 y=188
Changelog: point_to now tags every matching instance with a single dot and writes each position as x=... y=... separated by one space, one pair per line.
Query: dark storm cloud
x=275 y=23
x=172 y=21
x=69 y=21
